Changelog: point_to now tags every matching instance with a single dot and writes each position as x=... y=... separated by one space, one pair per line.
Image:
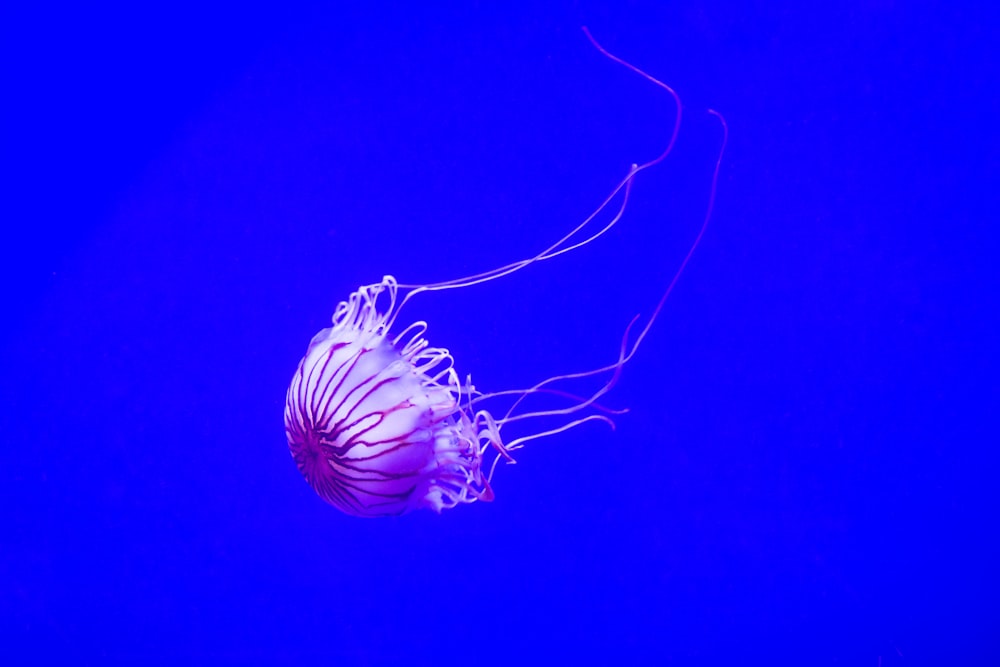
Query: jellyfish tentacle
x=560 y=247
x=519 y=442
x=554 y=250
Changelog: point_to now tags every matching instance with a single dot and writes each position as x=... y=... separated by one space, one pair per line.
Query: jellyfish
x=378 y=420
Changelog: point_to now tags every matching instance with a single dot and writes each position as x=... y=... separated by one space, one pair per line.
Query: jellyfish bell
x=378 y=420
x=374 y=421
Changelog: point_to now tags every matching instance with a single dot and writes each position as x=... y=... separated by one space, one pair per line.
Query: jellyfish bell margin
x=379 y=422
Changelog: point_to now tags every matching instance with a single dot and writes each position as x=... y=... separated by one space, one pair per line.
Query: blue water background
x=807 y=470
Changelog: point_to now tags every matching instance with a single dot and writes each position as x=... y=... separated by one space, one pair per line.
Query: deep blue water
x=805 y=475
